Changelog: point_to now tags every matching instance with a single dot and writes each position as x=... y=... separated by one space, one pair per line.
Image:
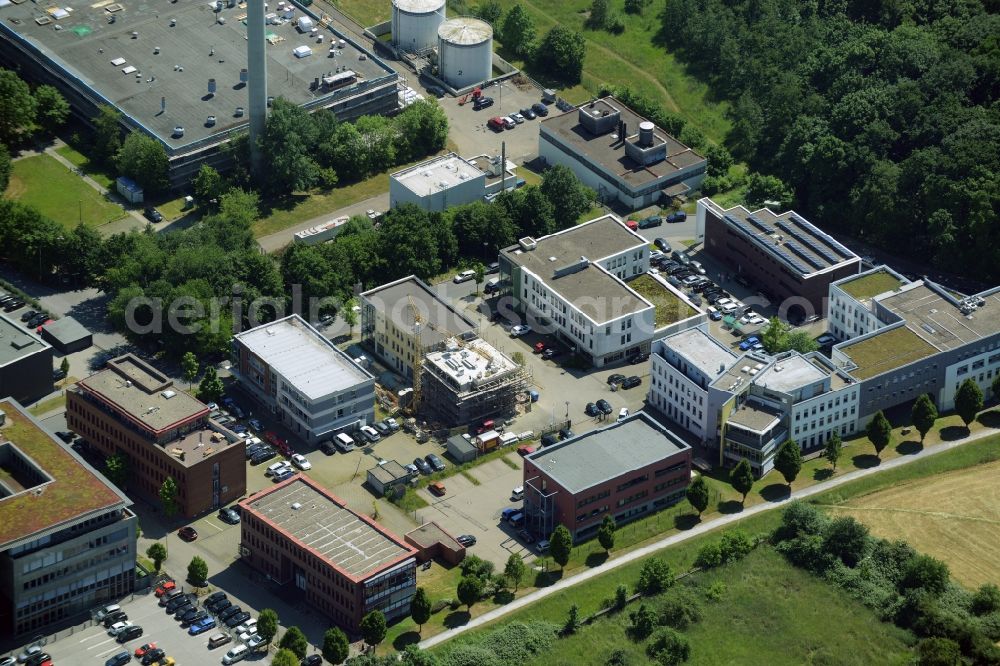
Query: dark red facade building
x=343 y=563
x=627 y=470
x=133 y=410
x=782 y=254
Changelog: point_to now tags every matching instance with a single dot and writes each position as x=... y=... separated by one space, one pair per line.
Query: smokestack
x=257 y=84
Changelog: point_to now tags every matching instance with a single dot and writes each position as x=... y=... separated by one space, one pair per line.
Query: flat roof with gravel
x=586 y=460
x=440 y=319
x=754 y=417
x=790 y=374
x=437 y=174
x=16 y=342
x=304 y=512
x=701 y=350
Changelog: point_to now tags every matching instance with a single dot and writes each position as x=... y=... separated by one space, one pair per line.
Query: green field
x=770 y=613
x=58 y=193
x=83 y=163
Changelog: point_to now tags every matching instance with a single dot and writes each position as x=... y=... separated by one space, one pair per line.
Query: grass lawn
x=669 y=308
x=57 y=192
x=887 y=351
x=871 y=285
x=47 y=406
x=755 y=621
x=298 y=208
x=82 y=162
x=954 y=516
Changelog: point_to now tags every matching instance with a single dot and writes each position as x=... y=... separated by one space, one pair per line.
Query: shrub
x=618 y=657
x=925 y=572
x=807 y=552
x=800 y=519
x=621 y=597
x=517 y=642
x=477 y=566
x=642 y=622
x=990 y=625
x=846 y=539
x=938 y=652
x=709 y=556
x=655 y=576
x=679 y=610
x=669 y=647
x=735 y=545
x=986 y=599
x=716 y=591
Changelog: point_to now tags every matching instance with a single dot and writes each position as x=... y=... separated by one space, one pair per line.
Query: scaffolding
x=493 y=396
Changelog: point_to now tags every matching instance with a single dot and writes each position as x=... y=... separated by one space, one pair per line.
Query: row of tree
x=24 y=111
x=880 y=116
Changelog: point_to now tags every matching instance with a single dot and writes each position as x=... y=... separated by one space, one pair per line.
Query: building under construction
x=470 y=380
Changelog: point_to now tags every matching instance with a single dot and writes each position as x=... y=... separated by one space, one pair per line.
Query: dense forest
x=880 y=114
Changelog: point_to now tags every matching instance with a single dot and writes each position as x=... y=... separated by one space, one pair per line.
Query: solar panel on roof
x=795 y=263
x=819 y=235
x=766 y=228
x=794 y=247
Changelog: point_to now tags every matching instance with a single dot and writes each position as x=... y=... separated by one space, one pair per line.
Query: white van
x=238 y=653
x=517 y=493
x=623 y=414
x=343 y=442
x=508 y=438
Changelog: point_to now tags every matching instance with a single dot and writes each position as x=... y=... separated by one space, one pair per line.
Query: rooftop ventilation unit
x=168 y=394
x=296 y=506
x=527 y=243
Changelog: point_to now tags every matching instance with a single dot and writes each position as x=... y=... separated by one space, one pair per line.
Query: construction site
x=470 y=380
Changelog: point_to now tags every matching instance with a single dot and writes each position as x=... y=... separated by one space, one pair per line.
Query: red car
x=187 y=533
x=633 y=225
x=164 y=588
x=525 y=450
x=143 y=649
x=539 y=347
x=283 y=447
x=44 y=324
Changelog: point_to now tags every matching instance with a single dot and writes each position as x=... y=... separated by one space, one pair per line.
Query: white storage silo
x=415 y=24
x=465 y=51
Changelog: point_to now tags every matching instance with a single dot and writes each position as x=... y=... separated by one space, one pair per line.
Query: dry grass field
x=954 y=516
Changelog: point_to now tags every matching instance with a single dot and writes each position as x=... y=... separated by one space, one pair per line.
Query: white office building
x=308 y=384
x=438 y=184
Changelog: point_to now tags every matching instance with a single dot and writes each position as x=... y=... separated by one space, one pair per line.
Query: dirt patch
x=954 y=516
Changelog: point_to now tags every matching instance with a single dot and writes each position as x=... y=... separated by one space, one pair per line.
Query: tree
x=923 y=572
x=295 y=641
x=64 y=365
x=7 y=167
x=52 y=109
x=642 y=622
x=143 y=159
x=742 y=479
x=422 y=129
x=846 y=539
x=606 y=533
x=968 y=401
x=800 y=341
x=561 y=54
x=788 y=461
x=569 y=197
x=490 y=11
x=775 y=336
x=107 y=133
x=720 y=160
x=373 y=628
x=336 y=646
x=470 y=588
x=560 y=545
x=17 y=107
x=599 y=12
x=923 y=415
x=168 y=496
x=267 y=624
x=621 y=597
x=655 y=576
x=158 y=553
x=208 y=184
x=287 y=143
x=762 y=188
x=879 y=432
x=479 y=274
x=189 y=366
x=349 y=315
x=197 y=571
x=833 y=449
x=669 y=647
x=939 y=652
x=986 y=599
x=572 y=620
x=211 y=388
x=518 y=31
x=514 y=570
x=284 y=657
x=116 y=469
x=420 y=609
x=698 y=494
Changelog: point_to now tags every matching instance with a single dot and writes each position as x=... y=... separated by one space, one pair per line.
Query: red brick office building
x=132 y=409
x=782 y=254
x=343 y=563
x=627 y=470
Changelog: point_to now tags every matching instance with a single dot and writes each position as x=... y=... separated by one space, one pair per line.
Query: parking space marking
x=90 y=638
x=104 y=642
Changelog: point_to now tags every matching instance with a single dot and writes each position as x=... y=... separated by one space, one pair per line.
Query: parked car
x=301 y=461
x=114 y=618
x=434 y=462
x=650 y=222
x=228 y=515
x=27 y=316
x=466 y=540
x=262 y=455
x=201 y=627
x=117 y=627
x=508 y=122
x=482 y=103
x=540 y=109
x=119 y=659
x=192 y=618
x=254 y=642
x=422 y=466
x=328 y=447
x=661 y=244
x=528 y=113
x=276 y=468
x=615 y=379
x=542 y=546
x=370 y=434
x=230 y=612
x=437 y=488
x=220 y=605
x=604 y=406
x=566 y=433
x=285 y=473
x=153 y=655
x=525 y=450
x=551 y=353
x=382 y=428
x=631 y=382
x=152 y=214
x=464 y=276
x=591 y=409
x=519 y=330
x=747 y=344
x=164 y=587
x=507 y=513
x=676 y=216
x=239 y=618
x=187 y=533
x=495 y=123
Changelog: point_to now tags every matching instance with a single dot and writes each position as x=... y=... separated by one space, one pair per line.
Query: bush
x=615 y=24
x=800 y=519
x=846 y=539
x=679 y=609
x=938 y=652
x=655 y=576
x=513 y=643
x=642 y=622
x=986 y=599
x=716 y=591
x=669 y=647
x=925 y=572
x=709 y=556
x=735 y=545
x=618 y=657
x=477 y=566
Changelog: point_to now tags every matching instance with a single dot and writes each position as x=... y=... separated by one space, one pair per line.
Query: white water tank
x=465 y=51
x=415 y=23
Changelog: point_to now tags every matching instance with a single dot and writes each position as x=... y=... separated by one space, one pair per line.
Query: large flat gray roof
x=307 y=360
x=67 y=330
x=596 y=239
x=440 y=319
x=303 y=511
x=600 y=455
x=939 y=321
x=86 y=44
x=609 y=152
x=701 y=350
x=790 y=374
x=16 y=342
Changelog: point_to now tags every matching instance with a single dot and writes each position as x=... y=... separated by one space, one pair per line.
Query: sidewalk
x=700 y=529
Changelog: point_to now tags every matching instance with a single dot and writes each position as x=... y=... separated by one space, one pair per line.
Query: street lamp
x=567 y=410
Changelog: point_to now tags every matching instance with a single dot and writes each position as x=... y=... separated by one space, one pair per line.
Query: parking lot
x=92 y=645
x=467 y=127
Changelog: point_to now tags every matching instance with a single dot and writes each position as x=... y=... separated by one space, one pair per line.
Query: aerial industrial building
x=25 y=363
x=340 y=562
x=303 y=380
x=67 y=535
x=470 y=380
x=449 y=180
x=179 y=72
x=133 y=410
x=620 y=154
